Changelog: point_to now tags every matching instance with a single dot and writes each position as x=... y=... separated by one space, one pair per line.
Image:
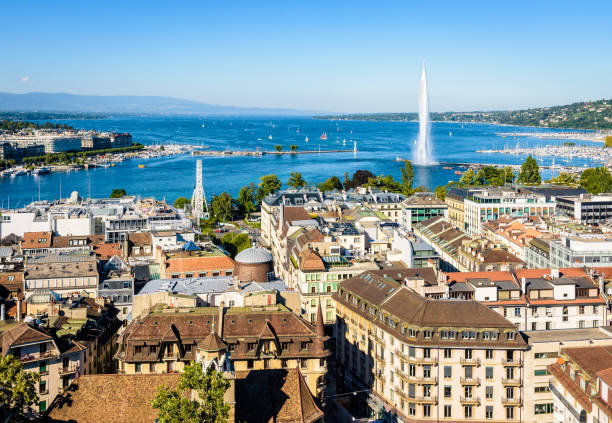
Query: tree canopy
x=118 y=193
x=175 y=406
x=269 y=185
x=360 y=177
x=181 y=202
x=530 y=172
x=407 y=177
x=296 y=180
x=223 y=207
x=596 y=180
x=331 y=184
x=246 y=198
x=17 y=387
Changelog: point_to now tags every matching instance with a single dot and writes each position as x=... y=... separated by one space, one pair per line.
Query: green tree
x=17 y=387
x=360 y=177
x=608 y=142
x=530 y=172
x=385 y=182
x=331 y=184
x=269 y=185
x=181 y=202
x=175 y=406
x=596 y=180
x=565 y=178
x=223 y=206
x=278 y=147
x=468 y=178
x=407 y=177
x=117 y=193
x=293 y=147
x=296 y=180
x=440 y=192
x=246 y=199
x=347 y=181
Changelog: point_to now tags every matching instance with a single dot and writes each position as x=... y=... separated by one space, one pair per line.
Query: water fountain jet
x=422 y=154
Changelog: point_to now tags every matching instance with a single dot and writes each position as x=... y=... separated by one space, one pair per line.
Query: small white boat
x=450 y=134
x=306 y=139
x=270 y=137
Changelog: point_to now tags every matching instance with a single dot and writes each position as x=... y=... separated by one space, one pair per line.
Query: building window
x=137 y=368
x=42 y=406
x=489 y=392
x=283 y=363
x=426 y=410
x=510 y=413
x=448 y=372
x=489 y=372
x=448 y=391
x=489 y=354
x=543 y=408
x=448 y=353
x=303 y=364
x=540 y=389
x=467 y=411
x=42 y=387
x=249 y=364
x=489 y=412
x=411 y=409
x=448 y=410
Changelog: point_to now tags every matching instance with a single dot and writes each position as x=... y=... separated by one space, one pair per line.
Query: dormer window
x=511 y=336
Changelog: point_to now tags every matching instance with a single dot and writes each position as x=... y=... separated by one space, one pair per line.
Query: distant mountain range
x=130 y=104
x=584 y=115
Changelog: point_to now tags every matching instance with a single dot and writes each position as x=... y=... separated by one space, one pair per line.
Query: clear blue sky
x=353 y=56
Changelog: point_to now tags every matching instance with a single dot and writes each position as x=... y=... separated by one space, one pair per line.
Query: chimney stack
x=18 y=317
x=3 y=312
x=524 y=285
x=220 y=320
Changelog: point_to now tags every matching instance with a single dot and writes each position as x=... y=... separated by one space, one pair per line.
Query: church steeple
x=320 y=325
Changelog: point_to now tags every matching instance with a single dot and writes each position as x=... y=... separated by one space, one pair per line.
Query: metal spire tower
x=198 y=199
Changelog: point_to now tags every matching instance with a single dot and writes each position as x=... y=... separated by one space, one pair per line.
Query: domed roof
x=254 y=255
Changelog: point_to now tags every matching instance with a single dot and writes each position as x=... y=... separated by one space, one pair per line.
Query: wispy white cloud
x=25 y=79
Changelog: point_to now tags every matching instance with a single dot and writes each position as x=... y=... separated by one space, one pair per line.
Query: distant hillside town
x=583 y=115
x=17 y=144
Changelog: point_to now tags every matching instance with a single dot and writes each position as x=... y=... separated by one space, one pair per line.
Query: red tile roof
x=105 y=251
x=111 y=398
x=36 y=240
x=538 y=273
x=199 y=264
x=495 y=276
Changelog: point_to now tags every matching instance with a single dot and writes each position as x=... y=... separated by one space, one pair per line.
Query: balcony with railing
x=470 y=381
x=470 y=361
x=68 y=370
x=426 y=400
x=511 y=382
x=511 y=401
x=426 y=380
x=512 y=362
x=427 y=360
x=39 y=356
x=470 y=401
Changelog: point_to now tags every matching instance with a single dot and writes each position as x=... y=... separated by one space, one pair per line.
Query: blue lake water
x=378 y=144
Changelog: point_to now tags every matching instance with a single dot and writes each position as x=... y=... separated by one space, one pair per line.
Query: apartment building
x=421 y=206
x=256 y=338
x=544 y=350
x=492 y=204
x=427 y=359
x=586 y=208
x=583 y=250
x=455 y=198
x=581 y=384
x=65 y=274
x=78 y=337
x=536 y=299
x=316 y=268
